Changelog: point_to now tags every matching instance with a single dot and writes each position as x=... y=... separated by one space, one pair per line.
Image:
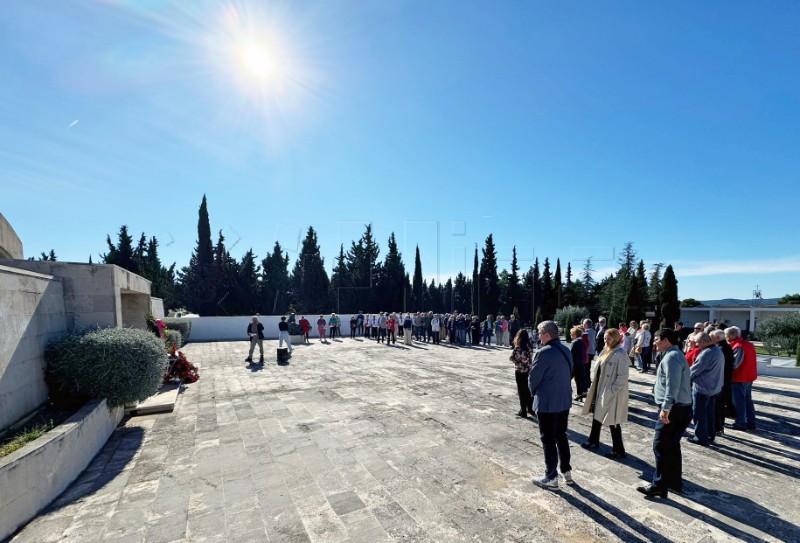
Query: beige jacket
x=609 y=390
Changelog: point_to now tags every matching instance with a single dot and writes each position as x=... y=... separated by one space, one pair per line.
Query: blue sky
x=564 y=128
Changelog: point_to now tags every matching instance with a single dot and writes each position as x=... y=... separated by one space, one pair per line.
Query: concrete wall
x=10 y=244
x=93 y=293
x=31 y=313
x=157 y=307
x=33 y=476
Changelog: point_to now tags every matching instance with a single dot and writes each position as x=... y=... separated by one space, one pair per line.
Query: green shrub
x=173 y=337
x=184 y=326
x=122 y=365
x=569 y=316
x=780 y=333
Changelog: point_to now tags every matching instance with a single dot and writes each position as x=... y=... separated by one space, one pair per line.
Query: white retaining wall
x=235 y=328
x=31 y=314
x=33 y=476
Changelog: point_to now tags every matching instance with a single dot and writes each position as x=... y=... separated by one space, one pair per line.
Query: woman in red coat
x=305 y=327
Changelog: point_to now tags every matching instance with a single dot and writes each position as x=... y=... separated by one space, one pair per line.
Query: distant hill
x=735 y=301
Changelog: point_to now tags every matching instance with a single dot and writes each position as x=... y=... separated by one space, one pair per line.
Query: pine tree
x=121 y=254
x=247 y=287
x=490 y=291
x=461 y=294
x=309 y=278
x=275 y=284
x=569 y=288
x=447 y=296
x=514 y=291
x=391 y=284
x=225 y=273
x=537 y=288
x=417 y=285
x=341 y=287
x=362 y=260
x=548 y=293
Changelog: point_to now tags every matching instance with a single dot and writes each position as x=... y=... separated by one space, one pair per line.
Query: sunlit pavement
x=358 y=441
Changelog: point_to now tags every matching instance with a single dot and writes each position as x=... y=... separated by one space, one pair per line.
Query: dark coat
x=550 y=378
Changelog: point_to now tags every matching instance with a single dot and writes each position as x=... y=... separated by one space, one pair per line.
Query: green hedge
x=122 y=365
x=174 y=337
x=184 y=326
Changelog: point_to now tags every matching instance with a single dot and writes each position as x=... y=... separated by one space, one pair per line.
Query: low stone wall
x=36 y=474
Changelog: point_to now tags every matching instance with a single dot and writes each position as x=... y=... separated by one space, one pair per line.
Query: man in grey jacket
x=673 y=394
x=550 y=383
x=707 y=375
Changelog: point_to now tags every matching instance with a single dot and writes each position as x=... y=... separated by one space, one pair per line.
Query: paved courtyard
x=356 y=441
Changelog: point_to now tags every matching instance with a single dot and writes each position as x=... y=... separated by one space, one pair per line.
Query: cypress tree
x=670 y=304
x=417 y=285
x=476 y=285
x=391 y=285
x=548 y=293
x=557 y=286
x=275 y=282
x=514 y=291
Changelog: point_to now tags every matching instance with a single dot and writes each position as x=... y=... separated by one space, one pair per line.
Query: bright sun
x=258 y=61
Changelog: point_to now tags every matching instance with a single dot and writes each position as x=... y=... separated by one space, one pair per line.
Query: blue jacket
x=708 y=371
x=549 y=379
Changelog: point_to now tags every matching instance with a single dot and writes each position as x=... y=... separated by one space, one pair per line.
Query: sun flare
x=258 y=61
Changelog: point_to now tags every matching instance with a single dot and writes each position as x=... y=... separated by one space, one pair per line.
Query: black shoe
x=590 y=445
x=522 y=414
x=616 y=455
x=751 y=426
x=248 y=360
x=579 y=397
x=737 y=427
x=696 y=441
x=652 y=490
x=677 y=488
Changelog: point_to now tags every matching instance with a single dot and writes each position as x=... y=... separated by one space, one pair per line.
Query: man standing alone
x=673 y=394
x=550 y=383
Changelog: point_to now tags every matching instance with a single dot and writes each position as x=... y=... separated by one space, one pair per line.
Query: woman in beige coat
x=607 y=399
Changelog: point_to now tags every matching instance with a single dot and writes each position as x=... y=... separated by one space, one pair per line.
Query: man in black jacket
x=255 y=331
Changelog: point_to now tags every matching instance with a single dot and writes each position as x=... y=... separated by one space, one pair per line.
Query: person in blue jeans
x=488 y=327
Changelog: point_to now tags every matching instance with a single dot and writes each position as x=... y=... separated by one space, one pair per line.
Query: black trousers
x=523 y=391
x=616 y=435
x=553 y=433
x=390 y=336
x=667 y=448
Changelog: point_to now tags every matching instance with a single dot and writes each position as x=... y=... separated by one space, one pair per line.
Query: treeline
x=215 y=283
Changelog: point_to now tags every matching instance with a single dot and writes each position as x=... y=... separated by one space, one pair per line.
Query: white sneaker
x=567 y=475
x=546 y=482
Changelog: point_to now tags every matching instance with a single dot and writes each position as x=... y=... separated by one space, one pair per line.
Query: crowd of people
x=701 y=377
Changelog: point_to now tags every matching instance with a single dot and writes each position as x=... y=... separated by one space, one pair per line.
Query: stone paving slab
x=362 y=442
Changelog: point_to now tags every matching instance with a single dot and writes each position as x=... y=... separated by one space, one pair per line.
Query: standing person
x=305 y=327
x=426 y=326
x=745 y=372
x=498 y=331
x=475 y=330
x=723 y=401
x=451 y=329
x=283 y=335
x=673 y=394
x=407 y=324
x=335 y=325
x=353 y=326
x=590 y=342
x=255 y=331
x=504 y=327
x=522 y=357
x=599 y=337
x=633 y=328
x=436 y=327
x=417 y=325
x=488 y=329
x=578 y=350
x=643 y=348
x=321 y=328
x=360 y=323
x=461 y=329
x=607 y=399
x=381 y=327
x=549 y=381
x=707 y=375
x=391 y=324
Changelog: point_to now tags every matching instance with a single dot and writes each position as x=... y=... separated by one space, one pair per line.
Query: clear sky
x=564 y=128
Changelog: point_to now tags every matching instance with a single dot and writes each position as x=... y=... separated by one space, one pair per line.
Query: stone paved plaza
x=356 y=441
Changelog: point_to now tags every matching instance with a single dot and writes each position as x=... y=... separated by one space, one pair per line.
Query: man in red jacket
x=745 y=371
